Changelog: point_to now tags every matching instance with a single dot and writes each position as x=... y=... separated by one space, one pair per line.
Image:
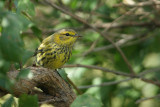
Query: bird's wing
x=45 y=42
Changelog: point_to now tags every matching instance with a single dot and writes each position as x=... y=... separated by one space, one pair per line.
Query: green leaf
x=16 y=3
x=1 y=6
x=26 y=23
x=11 y=50
x=86 y=100
x=63 y=74
x=73 y=4
x=10 y=42
x=27 y=54
x=8 y=102
x=24 y=73
x=28 y=101
x=26 y=6
x=11 y=24
x=37 y=32
x=5 y=82
x=4 y=65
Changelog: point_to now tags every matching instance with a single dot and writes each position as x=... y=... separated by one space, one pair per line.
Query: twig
x=122 y=42
x=157 y=83
x=119 y=43
x=20 y=65
x=74 y=86
x=105 y=83
x=95 y=29
x=27 y=15
x=106 y=25
x=149 y=71
x=120 y=81
x=141 y=4
x=99 y=3
x=51 y=31
x=10 y=5
x=128 y=24
x=99 y=68
x=144 y=99
x=119 y=18
x=157 y=7
x=91 y=48
x=48 y=101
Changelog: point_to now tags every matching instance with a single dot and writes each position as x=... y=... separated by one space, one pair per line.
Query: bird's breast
x=54 y=57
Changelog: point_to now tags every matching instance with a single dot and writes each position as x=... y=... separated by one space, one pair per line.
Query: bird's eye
x=67 y=34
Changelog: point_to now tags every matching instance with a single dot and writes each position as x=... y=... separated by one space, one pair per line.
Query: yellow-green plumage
x=56 y=49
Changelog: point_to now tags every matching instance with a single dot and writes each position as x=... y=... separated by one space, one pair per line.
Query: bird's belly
x=60 y=60
x=54 y=61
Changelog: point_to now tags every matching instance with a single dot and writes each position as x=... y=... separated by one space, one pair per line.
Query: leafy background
x=133 y=27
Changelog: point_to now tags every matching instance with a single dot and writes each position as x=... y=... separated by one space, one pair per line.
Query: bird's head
x=65 y=37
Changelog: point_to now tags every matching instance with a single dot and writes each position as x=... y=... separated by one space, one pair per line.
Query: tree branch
x=141 y=4
x=98 y=68
x=144 y=99
x=105 y=83
x=150 y=24
x=54 y=89
x=140 y=76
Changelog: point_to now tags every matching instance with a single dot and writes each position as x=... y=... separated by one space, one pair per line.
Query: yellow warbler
x=55 y=50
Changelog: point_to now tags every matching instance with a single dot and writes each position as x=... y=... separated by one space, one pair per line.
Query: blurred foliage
x=28 y=101
x=24 y=24
x=9 y=102
x=86 y=100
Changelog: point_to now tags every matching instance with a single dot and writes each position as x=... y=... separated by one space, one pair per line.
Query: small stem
x=20 y=65
x=74 y=86
x=10 y=5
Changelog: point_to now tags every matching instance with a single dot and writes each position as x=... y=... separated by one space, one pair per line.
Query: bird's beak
x=76 y=35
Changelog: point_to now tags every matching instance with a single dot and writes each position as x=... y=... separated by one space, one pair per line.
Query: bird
x=56 y=49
